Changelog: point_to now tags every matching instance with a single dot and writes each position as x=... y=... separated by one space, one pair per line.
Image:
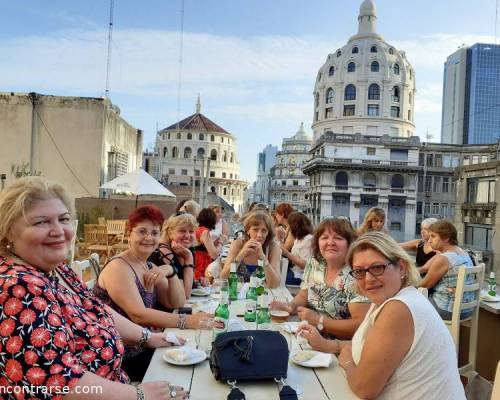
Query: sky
x=254 y=62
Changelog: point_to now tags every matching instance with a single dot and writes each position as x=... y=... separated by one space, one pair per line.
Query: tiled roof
x=196 y=122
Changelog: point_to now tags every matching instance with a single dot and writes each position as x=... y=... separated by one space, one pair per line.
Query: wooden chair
x=459 y=306
x=117 y=232
x=96 y=240
x=88 y=269
x=101 y=220
x=495 y=394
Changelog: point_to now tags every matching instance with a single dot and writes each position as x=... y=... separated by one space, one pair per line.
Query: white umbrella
x=138 y=182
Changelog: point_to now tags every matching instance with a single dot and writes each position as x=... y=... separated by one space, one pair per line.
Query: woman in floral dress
x=55 y=336
x=327 y=298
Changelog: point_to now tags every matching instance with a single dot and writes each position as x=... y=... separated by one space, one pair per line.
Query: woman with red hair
x=131 y=285
x=283 y=233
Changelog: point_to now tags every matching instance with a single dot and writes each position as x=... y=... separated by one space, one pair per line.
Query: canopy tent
x=138 y=183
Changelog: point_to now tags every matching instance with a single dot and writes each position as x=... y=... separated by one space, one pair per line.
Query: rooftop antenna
x=181 y=50
x=110 y=38
x=496 y=20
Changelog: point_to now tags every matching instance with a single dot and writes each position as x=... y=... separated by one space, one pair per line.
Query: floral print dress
x=50 y=336
x=331 y=301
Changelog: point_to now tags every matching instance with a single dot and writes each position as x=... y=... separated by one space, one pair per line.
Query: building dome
x=367 y=86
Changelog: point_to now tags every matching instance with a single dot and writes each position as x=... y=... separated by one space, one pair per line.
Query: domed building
x=364 y=152
x=367 y=86
x=197 y=147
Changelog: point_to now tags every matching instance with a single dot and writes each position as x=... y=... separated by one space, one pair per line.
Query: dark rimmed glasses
x=374 y=270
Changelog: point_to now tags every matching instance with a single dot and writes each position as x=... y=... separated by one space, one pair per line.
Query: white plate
x=490 y=299
x=196 y=357
x=304 y=363
x=200 y=292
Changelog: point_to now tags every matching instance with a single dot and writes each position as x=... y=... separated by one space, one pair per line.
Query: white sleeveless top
x=429 y=369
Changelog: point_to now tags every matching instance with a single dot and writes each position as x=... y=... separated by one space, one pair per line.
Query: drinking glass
x=203 y=324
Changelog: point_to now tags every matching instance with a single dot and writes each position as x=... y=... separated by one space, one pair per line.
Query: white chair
x=459 y=306
x=92 y=264
x=284 y=270
x=495 y=394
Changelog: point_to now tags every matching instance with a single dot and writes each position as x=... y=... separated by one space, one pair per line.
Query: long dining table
x=310 y=383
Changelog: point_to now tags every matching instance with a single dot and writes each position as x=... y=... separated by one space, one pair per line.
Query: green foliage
x=22 y=170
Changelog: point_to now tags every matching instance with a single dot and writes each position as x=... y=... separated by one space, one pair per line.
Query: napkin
x=181 y=354
x=290 y=327
x=319 y=360
x=235 y=325
x=242 y=295
x=172 y=338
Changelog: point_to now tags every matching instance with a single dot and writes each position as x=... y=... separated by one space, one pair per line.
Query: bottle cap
x=263 y=301
x=233 y=267
x=492 y=274
x=260 y=262
x=254 y=281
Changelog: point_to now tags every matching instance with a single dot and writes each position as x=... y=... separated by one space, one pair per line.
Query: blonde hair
x=385 y=245
x=174 y=222
x=372 y=213
x=191 y=207
x=21 y=195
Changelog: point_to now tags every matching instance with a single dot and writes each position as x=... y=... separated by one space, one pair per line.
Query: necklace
x=136 y=259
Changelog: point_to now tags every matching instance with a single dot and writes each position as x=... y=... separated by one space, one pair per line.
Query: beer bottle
x=259 y=273
x=233 y=282
x=251 y=303
x=492 y=285
x=263 y=315
x=221 y=317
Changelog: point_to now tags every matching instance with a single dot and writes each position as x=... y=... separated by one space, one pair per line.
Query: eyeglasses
x=144 y=233
x=374 y=270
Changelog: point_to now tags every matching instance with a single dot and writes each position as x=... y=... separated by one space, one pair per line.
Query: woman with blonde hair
x=258 y=244
x=56 y=333
x=190 y=207
x=374 y=221
x=402 y=349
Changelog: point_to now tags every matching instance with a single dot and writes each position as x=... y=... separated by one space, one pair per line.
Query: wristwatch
x=320 y=325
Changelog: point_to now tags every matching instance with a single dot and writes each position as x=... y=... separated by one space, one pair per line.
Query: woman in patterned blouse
x=327 y=298
x=55 y=336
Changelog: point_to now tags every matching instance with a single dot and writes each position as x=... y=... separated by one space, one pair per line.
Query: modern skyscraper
x=471 y=95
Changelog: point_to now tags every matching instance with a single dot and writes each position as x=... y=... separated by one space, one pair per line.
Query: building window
x=189 y=136
x=223 y=174
x=224 y=157
x=339 y=53
x=196 y=172
x=212 y=174
x=446 y=185
x=373 y=49
x=395 y=226
x=350 y=92
x=373 y=110
x=428 y=183
x=355 y=50
x=435 y=208
x=184 y=171
x=481 y=190
x=283 y=196
x=421 y=159
x=171 y=171
x=444 y=210
x=224 y=191
x=179 y=136
x=295 y=197
x=341 y=181
x=437 y=184
x=430 y=158
x=375 y=66
x=395 y=94
x=370 y=151
x=349 y=110
x=316 y=100
x=201 y=153
x=374 y=92
x=369 y=181
x=201 y=136
x=175 y=152
x=329 y=112
x=212 y=138
x=395 y=112
x=396 y=69
x=331 y=71
x=168 y=136
x=329 y=96
x=165 y=152
x=295 y=183
x=283 y=183
x=351 y=67
x=391 y=51
x=222 y=139
x=438 y=160
x=231 y=159
x=409 y=115
x=397 y=183
x=187 y=152
x=213 y=155
x=419 y=207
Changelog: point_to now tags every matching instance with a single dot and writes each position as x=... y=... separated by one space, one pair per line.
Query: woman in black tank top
x=424 y=251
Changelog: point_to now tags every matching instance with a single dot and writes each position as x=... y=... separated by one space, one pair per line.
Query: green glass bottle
x=492 y=285
x=263 y=315
x=233 y=282
x=251 y=303
x=259 y=273
x=221 y=317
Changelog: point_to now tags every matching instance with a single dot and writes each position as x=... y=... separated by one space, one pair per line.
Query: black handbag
x=248 y=356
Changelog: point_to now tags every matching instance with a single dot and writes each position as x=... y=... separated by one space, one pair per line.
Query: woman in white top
x=402 y=349
x=301 y=252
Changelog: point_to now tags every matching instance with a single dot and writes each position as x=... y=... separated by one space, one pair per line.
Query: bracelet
x=188 y=266
x=181 y=322
x=347 y=363
x=146 y=335
x=140 y=393
x=174 y=272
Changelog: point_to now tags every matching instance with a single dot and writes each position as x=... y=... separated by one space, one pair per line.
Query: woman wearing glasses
x=54 y=334
x=131 y=285
x=402 y=350
x=327 y=298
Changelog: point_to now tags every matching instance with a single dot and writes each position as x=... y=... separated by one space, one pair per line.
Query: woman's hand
x=280 y=233
x=182 y=252
x=151 y=278
x=248 y=248
x=281 y=305
x=161 y=390
x=195 y=321
x=345 y=356
x=306 y=314
x=313 y=337
x=158 y=339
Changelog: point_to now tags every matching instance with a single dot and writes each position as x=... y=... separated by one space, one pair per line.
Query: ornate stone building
x=197 y=148
x=367 y=86
x=289 y=183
